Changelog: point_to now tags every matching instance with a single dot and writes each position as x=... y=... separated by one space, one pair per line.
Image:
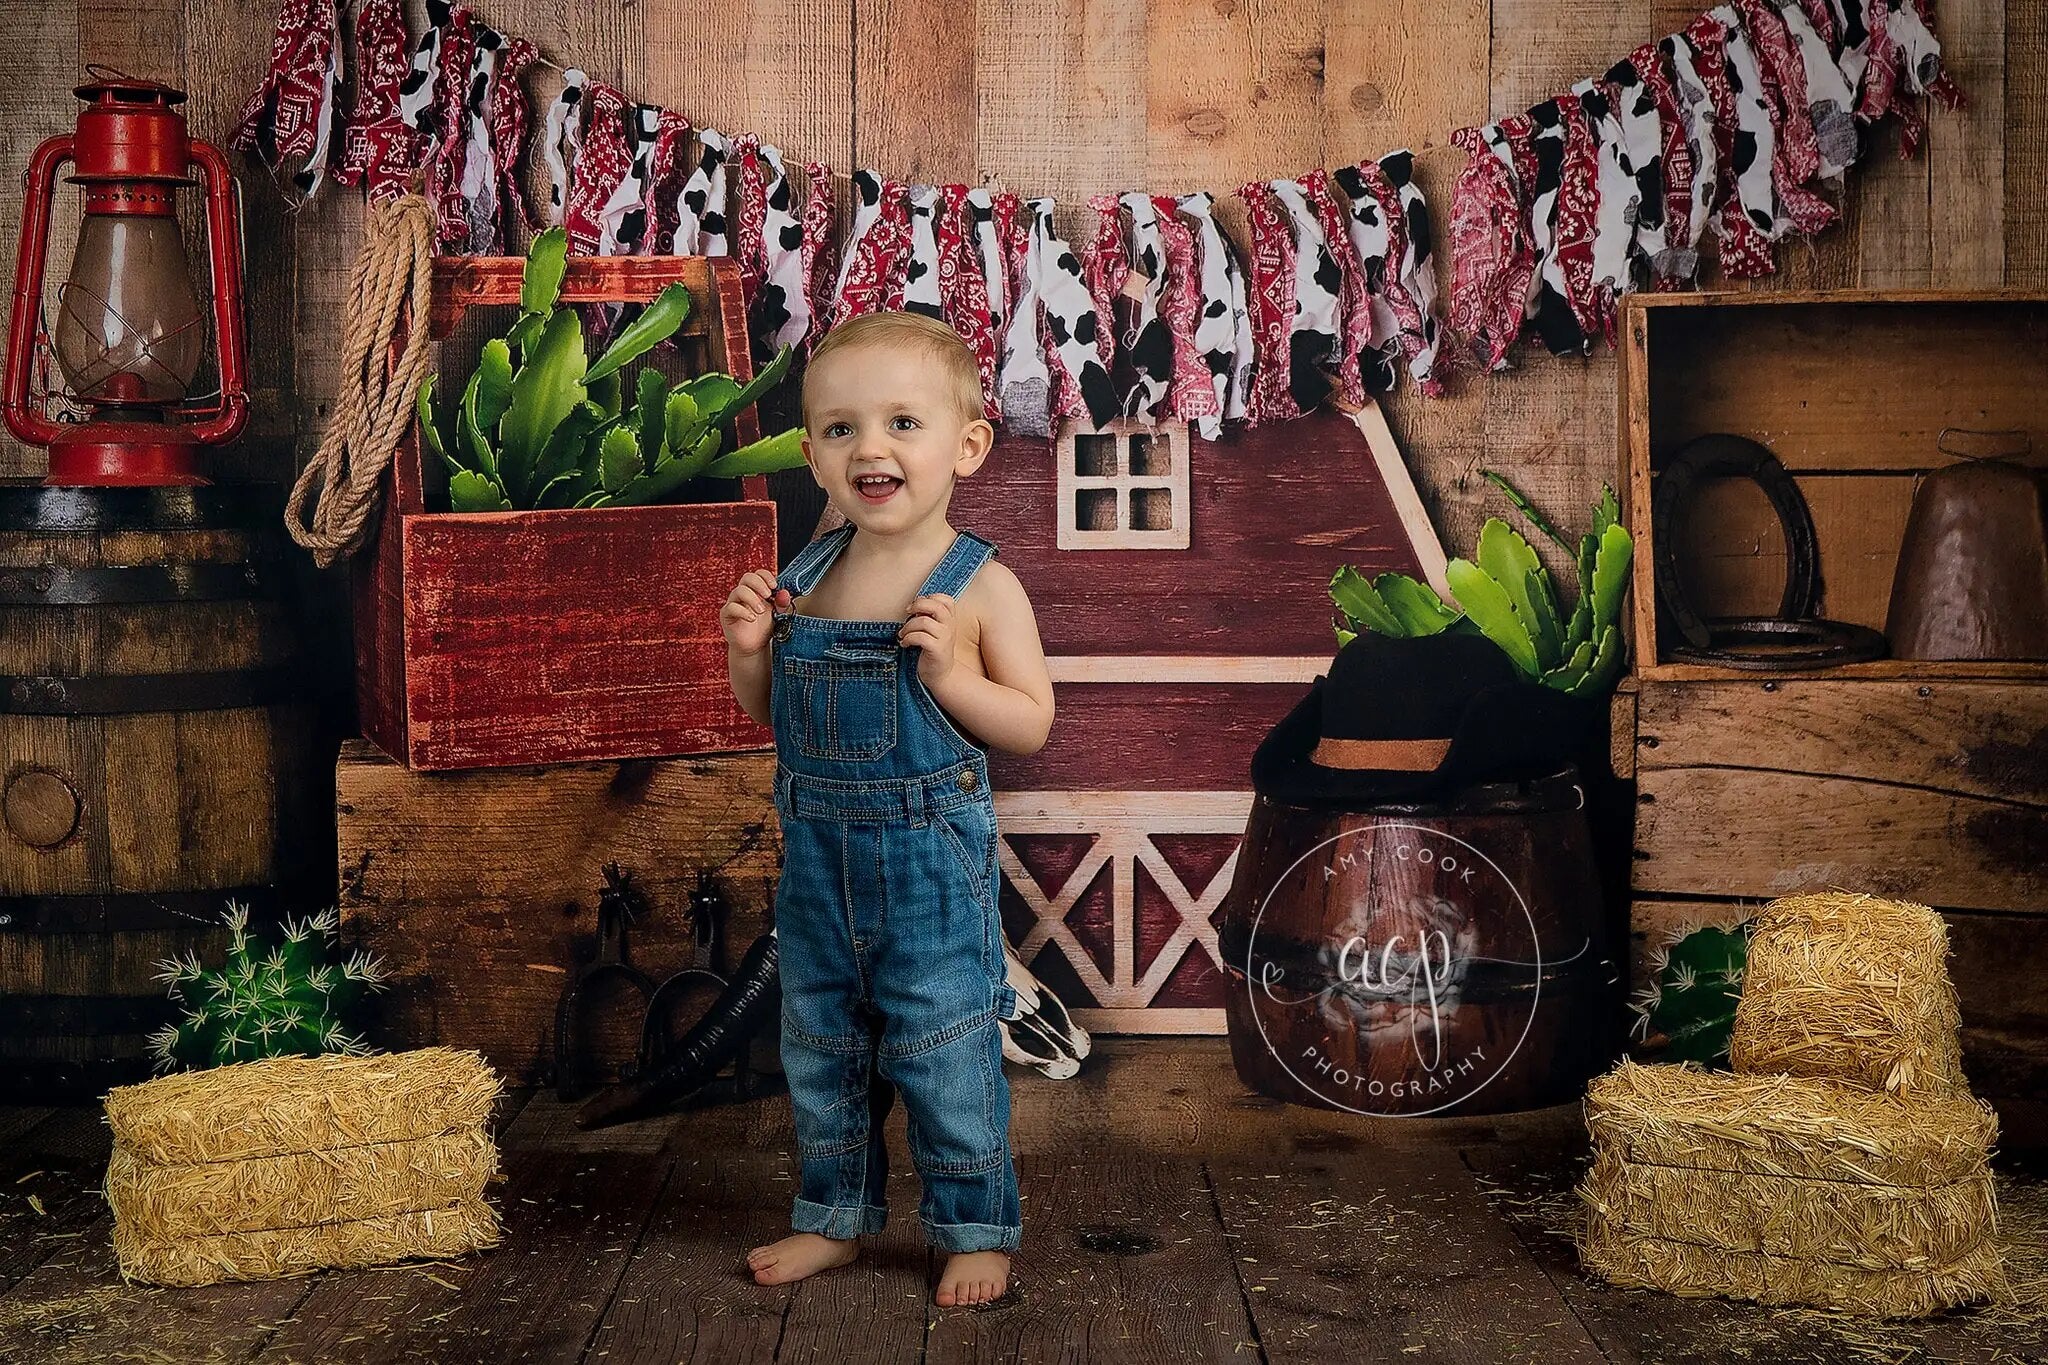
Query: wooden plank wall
x=1070 y=97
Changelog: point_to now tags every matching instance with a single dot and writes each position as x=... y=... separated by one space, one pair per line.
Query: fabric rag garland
x=1157 y=318
x=291 y=115
x=1727 y=126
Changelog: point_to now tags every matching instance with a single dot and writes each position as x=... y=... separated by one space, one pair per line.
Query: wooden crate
x=1922 y=780
x=477 y=887
x=488 y=639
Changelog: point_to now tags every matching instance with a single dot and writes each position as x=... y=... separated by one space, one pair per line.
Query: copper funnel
x=1972 y=581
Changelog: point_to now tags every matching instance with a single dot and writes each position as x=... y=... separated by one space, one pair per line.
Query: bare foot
x=798 y=1256
x=972 y=1277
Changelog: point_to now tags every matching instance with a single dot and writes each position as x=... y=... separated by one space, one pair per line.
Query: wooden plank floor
x=1170 y=1215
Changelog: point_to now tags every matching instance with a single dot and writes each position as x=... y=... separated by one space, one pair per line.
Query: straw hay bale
x=299 y=1188
x=1635 y=1260
x=433 y=1234
x=301 y=1104
x=1852 y=988
x=1872 y=1226
x=1787 y=1125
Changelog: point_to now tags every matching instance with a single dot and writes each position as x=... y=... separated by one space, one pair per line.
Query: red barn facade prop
x=1181 y=588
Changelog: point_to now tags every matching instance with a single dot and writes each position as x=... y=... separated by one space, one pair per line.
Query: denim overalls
x=886 y=919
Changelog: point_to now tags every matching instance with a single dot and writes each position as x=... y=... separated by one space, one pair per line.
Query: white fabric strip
x=562 y=140
x=921 y=281
x=1216 y=329
x=700 y=206
x=782 y=240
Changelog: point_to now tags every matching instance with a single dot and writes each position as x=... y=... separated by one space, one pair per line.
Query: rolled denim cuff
x=974 y=1236
x=839 y=1223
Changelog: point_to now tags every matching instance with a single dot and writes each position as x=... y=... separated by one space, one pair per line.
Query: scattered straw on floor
x=433 y=1234
x=297 y=1189
x=302 y=1104
x=1850 y=987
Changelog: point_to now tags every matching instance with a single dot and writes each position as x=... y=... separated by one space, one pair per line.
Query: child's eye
x=903 y=423
x=839 y=429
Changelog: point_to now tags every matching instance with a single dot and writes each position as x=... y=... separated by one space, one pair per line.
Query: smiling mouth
x=876 y=488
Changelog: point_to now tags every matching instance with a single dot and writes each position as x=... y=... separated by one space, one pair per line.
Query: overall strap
x=967 y=554
x=810 y=563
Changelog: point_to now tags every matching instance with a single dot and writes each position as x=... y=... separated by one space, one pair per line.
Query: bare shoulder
x=995 y=596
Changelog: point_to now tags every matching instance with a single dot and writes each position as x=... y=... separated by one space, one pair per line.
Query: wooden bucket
x=154 y=761
x=1447 y=959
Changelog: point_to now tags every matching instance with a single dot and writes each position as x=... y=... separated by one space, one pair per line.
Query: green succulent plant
x=541 y=425
x=280 y=998
x=1689 y=1002
x=1507 y=596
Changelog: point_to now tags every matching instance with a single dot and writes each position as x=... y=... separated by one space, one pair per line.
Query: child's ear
x=977 y=438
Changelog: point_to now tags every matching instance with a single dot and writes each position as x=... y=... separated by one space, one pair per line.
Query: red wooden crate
x=499 y=638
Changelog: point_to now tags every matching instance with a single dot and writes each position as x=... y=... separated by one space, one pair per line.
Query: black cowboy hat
x=1415 y=719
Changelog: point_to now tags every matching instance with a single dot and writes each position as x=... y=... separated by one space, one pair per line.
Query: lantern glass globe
x=129 y=326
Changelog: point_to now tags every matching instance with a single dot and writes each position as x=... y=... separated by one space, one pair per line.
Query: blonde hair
x=959 y=375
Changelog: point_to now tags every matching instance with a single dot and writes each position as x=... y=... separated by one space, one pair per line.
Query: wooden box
x=477 y=888
x=1921 y=780
x=488 y=639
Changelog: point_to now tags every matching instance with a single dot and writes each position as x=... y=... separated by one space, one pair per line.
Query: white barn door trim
x=1123 y=824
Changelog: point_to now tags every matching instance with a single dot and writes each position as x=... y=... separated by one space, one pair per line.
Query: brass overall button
x=968 y=781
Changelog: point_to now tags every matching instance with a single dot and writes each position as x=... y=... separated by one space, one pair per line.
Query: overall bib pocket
x=844 y=704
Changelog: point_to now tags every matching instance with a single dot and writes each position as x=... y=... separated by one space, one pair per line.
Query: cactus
x=1508 y=597
x=541 y=425
x=1689 y=1002
x=269 y=999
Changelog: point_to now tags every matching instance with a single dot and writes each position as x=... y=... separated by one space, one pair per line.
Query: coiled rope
x=388 y=287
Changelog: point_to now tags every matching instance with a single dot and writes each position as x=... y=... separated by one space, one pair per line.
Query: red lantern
x=130 y=333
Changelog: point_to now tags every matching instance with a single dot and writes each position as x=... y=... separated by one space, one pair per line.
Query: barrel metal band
x=34 y=507
x=115 y=694
x=45 y=586
x=120 y=911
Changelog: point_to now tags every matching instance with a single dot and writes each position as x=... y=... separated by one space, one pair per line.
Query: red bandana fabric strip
x=378 y=150
x=873 y=276
x=665 y=177
x=447 y=153
x=508 y=139
x=1107 y=267
x=1354 y=298
x=1578 y=206
x=963 y=291
x=600 y=166
x=1192 y=395
x=1486 y=218
x=817 y=249
x=749 y=212
x=1270 y=301
x=291 y=115
x=1676 y=264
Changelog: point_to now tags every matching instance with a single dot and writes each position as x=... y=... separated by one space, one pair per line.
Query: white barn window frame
x=1123 y=486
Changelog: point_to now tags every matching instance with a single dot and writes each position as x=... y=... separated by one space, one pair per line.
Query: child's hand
x=748 y=617
x=930 y=627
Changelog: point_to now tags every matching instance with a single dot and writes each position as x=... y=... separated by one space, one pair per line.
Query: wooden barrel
x=1445 y=959
x=156 y=759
